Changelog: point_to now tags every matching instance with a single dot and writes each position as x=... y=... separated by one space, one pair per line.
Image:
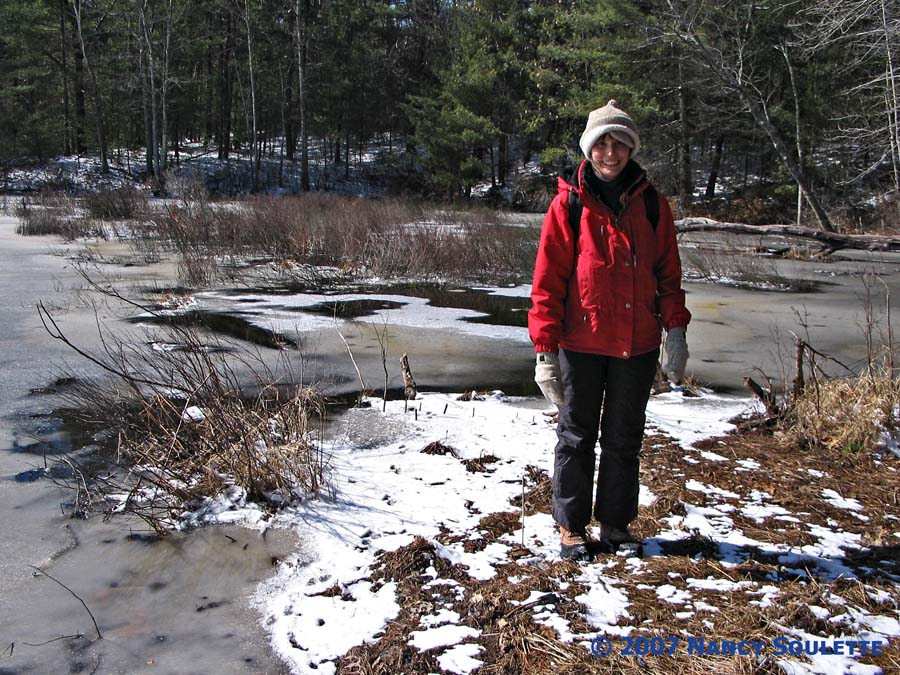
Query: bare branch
x=75 y=595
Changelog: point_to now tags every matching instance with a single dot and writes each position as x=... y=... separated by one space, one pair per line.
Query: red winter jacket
x=612 y=292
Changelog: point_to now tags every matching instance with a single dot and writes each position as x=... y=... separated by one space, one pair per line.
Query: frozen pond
x=172 y=604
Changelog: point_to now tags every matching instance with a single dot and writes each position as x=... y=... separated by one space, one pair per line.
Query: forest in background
x=785 y=100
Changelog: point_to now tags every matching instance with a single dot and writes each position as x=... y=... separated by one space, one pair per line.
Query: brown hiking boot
x=574 y=545
x=616 y=535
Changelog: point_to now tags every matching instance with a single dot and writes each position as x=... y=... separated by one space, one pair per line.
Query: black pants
x=620 y=388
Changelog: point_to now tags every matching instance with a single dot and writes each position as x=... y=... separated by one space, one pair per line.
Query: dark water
x=217 y=323
x=348 y=309
x=500 y=310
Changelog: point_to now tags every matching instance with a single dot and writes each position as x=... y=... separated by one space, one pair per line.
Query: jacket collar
x=633 y=177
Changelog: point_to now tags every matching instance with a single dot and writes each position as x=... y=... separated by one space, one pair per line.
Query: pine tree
x=583 y=58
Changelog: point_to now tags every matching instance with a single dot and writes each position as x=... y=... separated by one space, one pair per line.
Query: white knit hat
x=610 y=120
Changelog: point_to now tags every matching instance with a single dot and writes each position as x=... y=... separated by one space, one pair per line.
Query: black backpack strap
x=651 y=205
x=574 y=214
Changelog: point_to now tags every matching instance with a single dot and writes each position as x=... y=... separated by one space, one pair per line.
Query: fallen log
x=831 y=241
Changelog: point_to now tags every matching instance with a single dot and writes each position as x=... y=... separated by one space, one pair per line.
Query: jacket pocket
x=594 y=283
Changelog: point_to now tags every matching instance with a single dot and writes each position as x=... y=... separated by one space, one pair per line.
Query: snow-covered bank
x=452 y=463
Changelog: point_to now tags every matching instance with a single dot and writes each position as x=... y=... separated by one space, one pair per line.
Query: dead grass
x=438 y=448
x=538 y=493
x=847 y=414
x=263 y=446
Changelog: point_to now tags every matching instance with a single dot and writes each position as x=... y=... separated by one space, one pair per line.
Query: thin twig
x=362 y=382
x=56 y=333
x=56 y=639
x=77 y=597
x=523 y=509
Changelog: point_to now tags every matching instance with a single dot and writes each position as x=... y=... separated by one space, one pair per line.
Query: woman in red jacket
x=602 y=294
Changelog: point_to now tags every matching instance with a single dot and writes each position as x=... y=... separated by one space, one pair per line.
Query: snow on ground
x=71 y=172
x=320 y=603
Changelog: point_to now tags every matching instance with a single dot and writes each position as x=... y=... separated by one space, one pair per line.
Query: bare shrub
x=53 y=213
x=742 y=271
x=384 y=237
x=472 y=215
x=186 y=185
x=146 y=241
x=322 y=228
x=190 y=428
x=205 y=235
x=424 y=251
x=123 y=203
x=500 y=252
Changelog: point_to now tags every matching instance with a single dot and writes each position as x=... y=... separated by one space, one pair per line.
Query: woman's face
x=609 y=156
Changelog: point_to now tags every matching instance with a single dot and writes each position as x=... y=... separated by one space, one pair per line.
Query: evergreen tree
x=466 y=132
x=585 y=56
x=32 y=72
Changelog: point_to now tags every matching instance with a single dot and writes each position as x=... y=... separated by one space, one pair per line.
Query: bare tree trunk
x=347 y=154
x=714 y=169
x=301 y=37
x=790 y=67
x=164 y=88
x=284 y=134
x=95 y=91
x=290 y=133
x=254 y=143
x=153 y=150
x=226 y=83
x=686 y=182
x=208 y=133
x=305 y=11
x=68 y=144
x=892 y=102
x=409 y=384
x=145 y=103
x=80 y=115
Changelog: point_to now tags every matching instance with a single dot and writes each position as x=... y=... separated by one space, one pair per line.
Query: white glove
x=676 y=355
x=548 y=378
